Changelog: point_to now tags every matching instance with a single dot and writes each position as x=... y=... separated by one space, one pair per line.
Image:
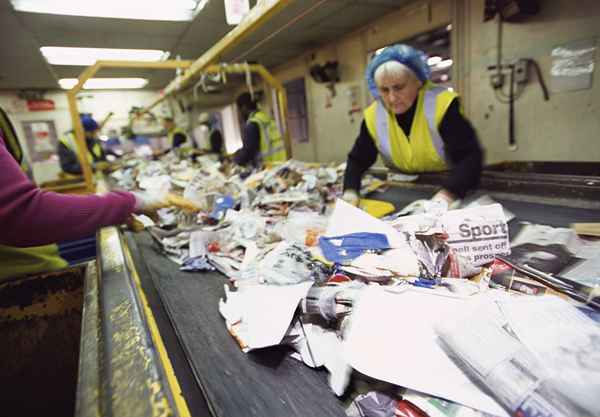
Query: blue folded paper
x=345 y=248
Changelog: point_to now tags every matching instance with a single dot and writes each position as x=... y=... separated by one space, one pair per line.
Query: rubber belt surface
x=265 y=383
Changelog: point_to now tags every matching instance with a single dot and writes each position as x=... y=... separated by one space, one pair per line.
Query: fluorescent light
x=173 y=10
x=434 y=60
x=58 y=55
x=104 y=83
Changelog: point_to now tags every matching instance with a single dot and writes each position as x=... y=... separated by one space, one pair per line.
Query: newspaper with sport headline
x=477 y=233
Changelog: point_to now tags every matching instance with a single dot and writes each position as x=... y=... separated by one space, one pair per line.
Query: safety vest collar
x=428 y=95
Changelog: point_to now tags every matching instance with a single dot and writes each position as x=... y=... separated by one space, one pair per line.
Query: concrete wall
x=564 y=128
x=99 y=103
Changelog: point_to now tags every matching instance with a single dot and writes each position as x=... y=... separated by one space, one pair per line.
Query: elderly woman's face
x=398 y=91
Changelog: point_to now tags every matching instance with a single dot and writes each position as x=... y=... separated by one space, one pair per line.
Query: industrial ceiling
x=301 y=26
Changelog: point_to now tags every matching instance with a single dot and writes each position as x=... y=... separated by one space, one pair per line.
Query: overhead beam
x=257 y=17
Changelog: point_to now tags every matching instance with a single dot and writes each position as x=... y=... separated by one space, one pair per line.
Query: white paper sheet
x=347 y=219
x=392 y=338
x=199 y=241
x=565 y=340
x=265 y=312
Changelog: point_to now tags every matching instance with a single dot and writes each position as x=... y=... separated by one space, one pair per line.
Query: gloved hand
x=102 y=165
x=148 y=203
x=416 y=207
x=441 y=202
x=443 y=195
x=351 y=197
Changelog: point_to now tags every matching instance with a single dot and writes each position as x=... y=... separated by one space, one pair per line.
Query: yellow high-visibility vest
x=14 y=147
x=21 y=261
x=271 y=141
x=94 y=154
x=423 y=150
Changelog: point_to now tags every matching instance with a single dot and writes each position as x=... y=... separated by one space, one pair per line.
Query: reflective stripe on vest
x=96 y=151
x=383 y=130
x=15 y=262
x=271 y=148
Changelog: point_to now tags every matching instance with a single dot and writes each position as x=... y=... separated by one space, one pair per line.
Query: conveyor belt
x=552 y=215
x=212 y=370
x=267 y=383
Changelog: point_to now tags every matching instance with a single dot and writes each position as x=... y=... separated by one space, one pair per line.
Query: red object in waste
x=339 y=278
x=213 y=247
x=405 y=408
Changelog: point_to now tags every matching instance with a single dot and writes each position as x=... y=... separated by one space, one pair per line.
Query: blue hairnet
x=413 y=58
x=89 y=124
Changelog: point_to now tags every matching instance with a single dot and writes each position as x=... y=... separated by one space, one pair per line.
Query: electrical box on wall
x=517 y=10
x=522 y=71
x=510 y=10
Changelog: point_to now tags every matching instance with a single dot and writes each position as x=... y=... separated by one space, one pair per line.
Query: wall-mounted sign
x=40 y=105
x=573 y=66
x=41 y=139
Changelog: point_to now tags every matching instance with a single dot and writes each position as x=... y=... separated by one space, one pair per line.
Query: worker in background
x=34 y=220
x=177 y=138
x=215 y=138
x=113 y=145
x=67 y=147
x=415 y=126
x=261 y=142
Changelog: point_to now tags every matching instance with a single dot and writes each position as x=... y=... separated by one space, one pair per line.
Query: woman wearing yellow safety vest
x=415 y=125
x=262 y=142
x=67 y=149
x=175 y=135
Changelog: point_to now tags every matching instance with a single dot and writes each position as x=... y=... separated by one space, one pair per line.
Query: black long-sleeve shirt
x=179 y=139
x=69 y=161
x=250 y=145
x=216 y=141
x=460 y=141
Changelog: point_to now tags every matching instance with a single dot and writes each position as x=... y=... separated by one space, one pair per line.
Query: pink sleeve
x=32 y=217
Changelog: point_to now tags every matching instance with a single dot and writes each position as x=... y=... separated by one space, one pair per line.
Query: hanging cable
x=249 y=80
x=512 y=144
x=540 y=78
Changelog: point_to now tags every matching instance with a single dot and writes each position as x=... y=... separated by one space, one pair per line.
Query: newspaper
x=392 y=338
x=566 y=340
x=560 y=251
x=478 y=233
x=516 y=367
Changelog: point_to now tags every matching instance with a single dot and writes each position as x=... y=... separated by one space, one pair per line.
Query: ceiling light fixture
x=104 y=83
x=58 y=55
x=172 y=10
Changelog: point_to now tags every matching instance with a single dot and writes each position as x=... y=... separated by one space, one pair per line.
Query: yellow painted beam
x=80 y=141
x=257 y=17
